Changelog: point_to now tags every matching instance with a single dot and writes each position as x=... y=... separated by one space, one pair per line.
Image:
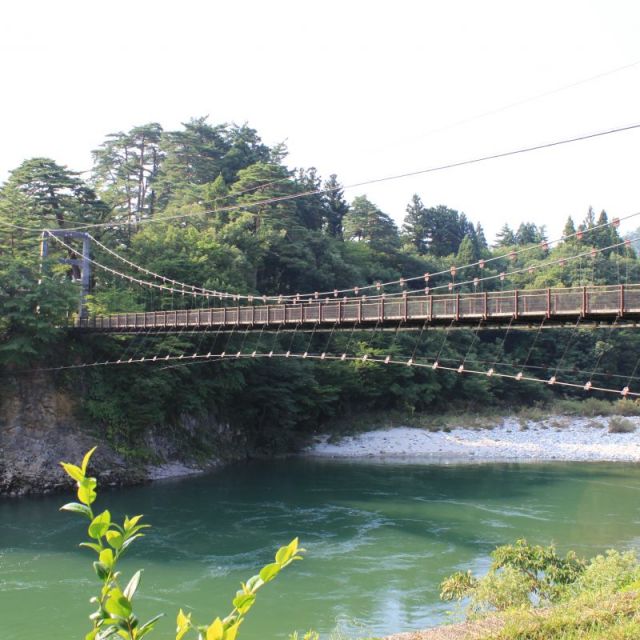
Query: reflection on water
x=379 y=537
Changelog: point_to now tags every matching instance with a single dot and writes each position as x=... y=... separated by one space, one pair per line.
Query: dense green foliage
x=214 y=206
x=114 y=616
x=542 y=596
x=520 y=574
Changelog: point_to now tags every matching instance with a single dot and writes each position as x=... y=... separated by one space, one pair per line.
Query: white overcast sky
x=362 y=89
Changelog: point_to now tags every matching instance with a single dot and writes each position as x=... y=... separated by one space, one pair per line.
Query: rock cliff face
x=39 y=427
x=37 y=430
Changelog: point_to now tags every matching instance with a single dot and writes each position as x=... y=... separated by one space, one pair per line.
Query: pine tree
x=569 y=228
x=126 y=166
x=505 y=237
x=335 y=207
x=481 y=239
x=445 y=229
x=366 y=223
x=414 y=228
x=55 y=194
x=311 y=207
x=467 y=253
x=606 y=234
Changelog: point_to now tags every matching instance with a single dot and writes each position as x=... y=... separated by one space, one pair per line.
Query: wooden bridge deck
x=592 y=304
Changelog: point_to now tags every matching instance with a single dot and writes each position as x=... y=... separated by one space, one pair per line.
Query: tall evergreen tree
x=193 y=156
x=200 y=152
x=505 y=237
x=529 y=233
x=415 y=228
x=335 y=207
x=54 y=194
x=445 y=229
x=606 y=235
x=366 y=223
x=125 y=168
x=569 y=228
x=481 y=239
x=467 y=253
x=311 y=207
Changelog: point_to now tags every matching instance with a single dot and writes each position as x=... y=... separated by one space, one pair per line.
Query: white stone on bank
x=579 y=440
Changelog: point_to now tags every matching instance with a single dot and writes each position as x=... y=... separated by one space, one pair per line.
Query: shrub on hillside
x=609 y=573
x=520 y=574
x=621 y=425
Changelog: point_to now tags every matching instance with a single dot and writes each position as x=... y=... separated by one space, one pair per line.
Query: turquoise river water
x=379 y=539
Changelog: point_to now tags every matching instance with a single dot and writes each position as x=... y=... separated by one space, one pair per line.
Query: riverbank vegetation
x=557 y=412
x=543 y=596
x=211 y=204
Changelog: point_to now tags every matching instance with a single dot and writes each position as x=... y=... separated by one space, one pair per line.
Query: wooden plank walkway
x=528 y=306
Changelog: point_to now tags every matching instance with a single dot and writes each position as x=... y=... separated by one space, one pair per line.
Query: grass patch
x=621 y=425
x=532 y=593
x=589 y=616
x=558 y=423
x=592 y=407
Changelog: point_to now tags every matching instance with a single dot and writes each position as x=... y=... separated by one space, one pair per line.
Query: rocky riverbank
x=555 y=438
x=40 y=426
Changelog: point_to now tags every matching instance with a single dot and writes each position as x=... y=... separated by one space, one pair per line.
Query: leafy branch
x=114 y=616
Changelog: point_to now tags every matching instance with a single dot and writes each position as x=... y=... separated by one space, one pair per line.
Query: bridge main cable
x=188 y=288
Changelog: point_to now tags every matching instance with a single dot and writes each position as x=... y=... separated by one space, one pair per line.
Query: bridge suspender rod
x=326 y=347
x=415 y=346
x=625 y=391
x=436 y=362
x=533 y=344
x=491 y=370
x=553 y=378
x=471 y=345
x=589 y=382
x=346 y=351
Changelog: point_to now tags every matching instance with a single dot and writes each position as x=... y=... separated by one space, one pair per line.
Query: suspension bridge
x=441 y=300
x=558 y=306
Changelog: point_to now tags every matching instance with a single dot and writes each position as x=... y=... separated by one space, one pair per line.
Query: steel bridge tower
x=82 y=262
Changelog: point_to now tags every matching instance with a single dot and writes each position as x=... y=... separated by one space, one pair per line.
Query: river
x=379 y=537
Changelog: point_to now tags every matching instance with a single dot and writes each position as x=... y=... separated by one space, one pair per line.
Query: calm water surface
x=379 y=537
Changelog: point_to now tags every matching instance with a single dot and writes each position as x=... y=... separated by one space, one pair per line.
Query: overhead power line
x=364 y=183
x=523 y=101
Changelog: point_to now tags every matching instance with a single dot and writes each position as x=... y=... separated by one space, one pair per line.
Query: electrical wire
x=388 y=178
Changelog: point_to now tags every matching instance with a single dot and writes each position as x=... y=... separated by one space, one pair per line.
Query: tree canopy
x=212 y=205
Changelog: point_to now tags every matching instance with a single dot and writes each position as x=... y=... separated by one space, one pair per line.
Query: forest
x=212 y=205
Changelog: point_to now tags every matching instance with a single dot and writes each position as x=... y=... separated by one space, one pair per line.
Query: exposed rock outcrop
x=37 y=430
x=39 y=427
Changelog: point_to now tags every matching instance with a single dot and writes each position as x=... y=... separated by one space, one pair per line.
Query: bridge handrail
x=603 y=300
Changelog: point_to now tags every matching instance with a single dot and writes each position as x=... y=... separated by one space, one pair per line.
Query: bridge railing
x=561 y=303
